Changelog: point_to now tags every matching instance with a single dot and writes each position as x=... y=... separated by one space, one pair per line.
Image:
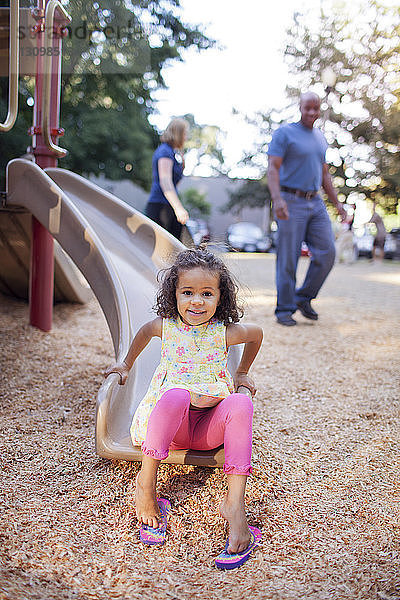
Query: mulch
x=325 y=489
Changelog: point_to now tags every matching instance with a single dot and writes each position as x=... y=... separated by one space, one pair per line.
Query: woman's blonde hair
x=174 y=135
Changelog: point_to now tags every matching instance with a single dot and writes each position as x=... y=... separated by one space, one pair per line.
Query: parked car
x=198 y=230
x=395 y=236
x=273 y=234
x=247 y=237
x=391 y=246
x=304 y=250
x=273 y=238
x=365 y=242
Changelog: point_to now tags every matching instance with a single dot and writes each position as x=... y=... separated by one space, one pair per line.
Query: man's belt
x=299 y=192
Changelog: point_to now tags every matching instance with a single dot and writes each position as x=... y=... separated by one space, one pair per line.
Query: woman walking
x=164 y=206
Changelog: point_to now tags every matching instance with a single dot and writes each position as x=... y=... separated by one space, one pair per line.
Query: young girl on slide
x=192 y=400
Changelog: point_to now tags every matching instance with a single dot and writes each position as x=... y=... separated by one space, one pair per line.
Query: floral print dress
x=193 y=358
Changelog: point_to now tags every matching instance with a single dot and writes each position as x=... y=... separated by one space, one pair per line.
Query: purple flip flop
x=151 y=536
x=232 y=561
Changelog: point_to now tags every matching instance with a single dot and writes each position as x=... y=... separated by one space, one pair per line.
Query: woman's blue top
x=164 y=151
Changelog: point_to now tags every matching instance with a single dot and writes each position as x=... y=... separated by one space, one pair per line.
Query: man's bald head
x=309 y=96
x=310 y=108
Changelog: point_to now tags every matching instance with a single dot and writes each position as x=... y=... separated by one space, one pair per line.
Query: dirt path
x=326 y=455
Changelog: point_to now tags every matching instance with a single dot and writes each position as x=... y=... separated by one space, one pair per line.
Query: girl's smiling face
x=197 y=295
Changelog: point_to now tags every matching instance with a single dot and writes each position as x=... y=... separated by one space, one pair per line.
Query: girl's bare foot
x=147 y=510
x=239 y=533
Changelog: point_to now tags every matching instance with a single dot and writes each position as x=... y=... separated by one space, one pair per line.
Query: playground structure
x=117 y=249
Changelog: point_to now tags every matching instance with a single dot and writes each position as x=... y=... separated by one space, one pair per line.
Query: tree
x=361 y=113
x=15 y=142
x=113 y=56
x=204 y=145
x=196 y=203
x=253 y=193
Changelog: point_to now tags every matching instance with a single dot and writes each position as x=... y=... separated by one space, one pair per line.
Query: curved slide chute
x=15 y=244
x=119 y=252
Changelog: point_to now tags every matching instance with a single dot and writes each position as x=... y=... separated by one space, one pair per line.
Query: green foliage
x=112 y=60
x=117 y=141
x=360 y=42
x=205 y=143
x=195 y=202
x=254 y=193
x=362 y=110
x=14 y=143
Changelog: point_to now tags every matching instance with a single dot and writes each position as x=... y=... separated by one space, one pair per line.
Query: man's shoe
x=306 y=310
x=286 y=320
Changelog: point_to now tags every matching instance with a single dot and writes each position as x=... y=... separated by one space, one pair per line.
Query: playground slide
x=15 y=243
x=119 y=251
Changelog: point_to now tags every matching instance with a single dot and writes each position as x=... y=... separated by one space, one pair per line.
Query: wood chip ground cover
x=325 y=491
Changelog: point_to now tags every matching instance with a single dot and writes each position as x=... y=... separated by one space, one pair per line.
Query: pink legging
x=173 y=426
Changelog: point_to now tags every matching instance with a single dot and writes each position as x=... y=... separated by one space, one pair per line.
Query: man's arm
x=331 y=192
x=279 y=204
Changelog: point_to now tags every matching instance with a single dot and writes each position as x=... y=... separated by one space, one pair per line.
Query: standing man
x=296 y=171
x=380 y=236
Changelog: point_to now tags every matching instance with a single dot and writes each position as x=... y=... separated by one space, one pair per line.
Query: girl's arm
x=251 y=336
x=142 y=338
x=165 y=166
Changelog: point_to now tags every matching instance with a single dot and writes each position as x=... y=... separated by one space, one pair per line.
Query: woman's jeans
x=163 y=214
x=173 y=425
x=309 y=222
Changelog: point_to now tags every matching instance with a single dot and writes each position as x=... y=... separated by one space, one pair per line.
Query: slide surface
x=15 y=245
x=119 y=251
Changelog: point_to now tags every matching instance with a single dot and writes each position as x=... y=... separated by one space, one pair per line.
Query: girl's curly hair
x=228 y=310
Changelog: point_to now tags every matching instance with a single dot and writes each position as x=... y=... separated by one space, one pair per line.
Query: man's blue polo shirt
x=303 y=152
x=164 y=151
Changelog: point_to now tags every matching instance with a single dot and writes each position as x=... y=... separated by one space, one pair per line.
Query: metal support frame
x=45 y=124
x=45 y=127
x=13 y=74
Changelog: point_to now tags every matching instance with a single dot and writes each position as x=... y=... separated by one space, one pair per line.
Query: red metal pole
x=41 y=277
x=41 y=292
